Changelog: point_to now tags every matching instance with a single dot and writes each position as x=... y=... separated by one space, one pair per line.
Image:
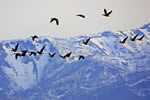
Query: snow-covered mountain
x=110 y=70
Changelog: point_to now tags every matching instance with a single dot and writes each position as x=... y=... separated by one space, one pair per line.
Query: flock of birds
x=41 y=51
x=24 y=52
x=132 y=38
x=106 y=14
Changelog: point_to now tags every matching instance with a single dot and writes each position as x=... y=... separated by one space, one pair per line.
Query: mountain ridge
x=107 y=64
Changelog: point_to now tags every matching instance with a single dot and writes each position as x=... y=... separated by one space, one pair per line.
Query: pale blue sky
x=23 y=18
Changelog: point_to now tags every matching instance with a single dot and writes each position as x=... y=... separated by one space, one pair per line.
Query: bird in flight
x=66 y=56
x=55 y=19
x=32 y=53
x=16 y=48
x=140 y=39
x=80 y=15
x=41 y=51
x=81 y=57
x=134 y=38
x=34 y=37
x=17 y=54
x=24 y=52
x=124 y=40
x=86 y=42
x=51 y=55
x=107 y=14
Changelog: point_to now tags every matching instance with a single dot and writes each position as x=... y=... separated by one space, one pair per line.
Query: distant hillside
x=110 y=68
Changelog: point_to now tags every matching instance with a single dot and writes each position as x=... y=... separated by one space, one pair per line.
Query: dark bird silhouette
x=80 y=15
x=63 y=56
x=51 y=55
x=24 y=52
x=86 y=42
x=32 y=53
x=66 y=56
x=81 y=57
x=54 y=19
x=106 y=14
x=140 y=39
x=134 y=38
x=34 y=37
x=41 y=51
x=124 y=40
x=69 y=54
x=17 y=54
x=16 y=48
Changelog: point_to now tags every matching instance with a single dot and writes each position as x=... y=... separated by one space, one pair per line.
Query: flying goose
x=140 y=39
x=34 y=37
x=80 y=15
x=41 y=51
x=66 y=56
x=24 y=52
x=32 y=53
x=81 y=57
x=106 y=14
x=16 y=48
x=54 y=19
x=134 y=38
x=86 y=42
x=51 y=55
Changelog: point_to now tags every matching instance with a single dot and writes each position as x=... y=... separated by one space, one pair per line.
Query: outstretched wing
x=16 y=47
x=53 y=54
x=141 y=38
x=88 y=40
x=125 y=39
x=49 y=54
x=32 y=38
x=109 y=12
x=105 y=11
x=135 y=37
x=42 y=49
x=16 y=55
x=80 y=15
x=81 y=57
x=54 y=19
x=68 y=54
x=57 y=22
x=62 y=56
x=30 y=53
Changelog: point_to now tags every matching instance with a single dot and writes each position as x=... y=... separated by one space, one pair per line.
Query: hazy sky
x=23 y=18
